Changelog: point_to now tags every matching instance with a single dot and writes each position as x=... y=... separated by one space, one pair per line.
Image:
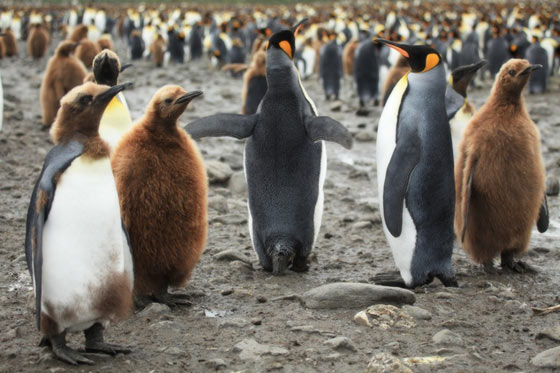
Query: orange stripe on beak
x=400 y=50
x=286 y=47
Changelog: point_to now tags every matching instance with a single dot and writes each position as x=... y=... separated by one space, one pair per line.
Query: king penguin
x=76 y=249
x=116 y=120
x=459 y=109
x=415 y=170
x=285 y=160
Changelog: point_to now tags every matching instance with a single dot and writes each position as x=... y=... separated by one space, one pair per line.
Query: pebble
x=336 y=106
x=235 y=219
x=447 y=337
x=385 y=316
x=553 y=333
x=341 y=343
x=386 y=363
x=237 y=183
x=355 y=295
x=234 y=323
x=218 y=172
x=552 y=186
x=417 y=312
x=547 y=359
x=216 y=364
x=231 y=255
x=218 y=203
x=153 y=309
x=249 y=349
x=362 y=225
x=176 y=351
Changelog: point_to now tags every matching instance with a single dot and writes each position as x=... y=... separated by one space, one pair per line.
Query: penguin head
x=420 y=58
x=81 y=110
x=66 y=47
x=106 y=67
x=170 y=102
x=513 y=76
x=461 y=77
x=281 y=47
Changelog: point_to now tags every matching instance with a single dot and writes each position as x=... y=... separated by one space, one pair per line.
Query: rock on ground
x=547 y=359
x=249 y=349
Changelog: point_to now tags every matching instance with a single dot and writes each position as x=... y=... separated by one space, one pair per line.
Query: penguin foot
x=448 y=282
x=172 y=300
x=362 y=112
x=64 y=353
x=509 y=264
x=489 y=268
x=389 y=279
x=299 y=264
x=95 y=342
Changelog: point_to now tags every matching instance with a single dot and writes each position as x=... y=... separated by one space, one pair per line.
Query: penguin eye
x=86 y=100
x=168 y=101
x=512 y=72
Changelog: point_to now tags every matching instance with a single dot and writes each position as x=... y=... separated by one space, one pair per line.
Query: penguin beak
x=297 y=26
x=188 y=97
x=474 y=68
x=112 y=92
x=530 y=69
x=125 y=66
x=401 y=48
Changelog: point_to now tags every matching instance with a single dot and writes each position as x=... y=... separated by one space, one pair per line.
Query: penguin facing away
x=459 y=109
x=37 y=41
x=116 y=120
x=494 y=215
x=330 y=68
x=285 y=160
x=415 y=171
x=76 y=249
x=162 y=187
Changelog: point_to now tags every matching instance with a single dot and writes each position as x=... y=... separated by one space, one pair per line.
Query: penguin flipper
x=403 y=161
x=542 y=222
x=56 y=161
x=233 y=125
x=453 y=102
x=328 y=129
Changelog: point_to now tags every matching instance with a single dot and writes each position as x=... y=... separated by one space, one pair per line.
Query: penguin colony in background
x=144 y=184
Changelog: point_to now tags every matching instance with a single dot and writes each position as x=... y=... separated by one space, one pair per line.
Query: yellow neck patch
x=432 y=60
x=287 y=48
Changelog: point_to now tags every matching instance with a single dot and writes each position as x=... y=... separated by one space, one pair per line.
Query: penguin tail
x=282 y=251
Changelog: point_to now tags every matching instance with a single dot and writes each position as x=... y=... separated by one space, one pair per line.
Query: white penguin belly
x=458 y=124
x=318 y=213
x=115 y=122
x=402 y=247
x=84 y=245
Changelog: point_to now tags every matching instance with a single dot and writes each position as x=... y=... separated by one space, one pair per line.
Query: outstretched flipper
x=403 y=161
x=328 y=129
x=233 y=125
x=57 y=160
x=542 y=222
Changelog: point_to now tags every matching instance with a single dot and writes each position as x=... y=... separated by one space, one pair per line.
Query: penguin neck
x=94 y=146
x=432 y=80
x=160 y=126
x=282 y=79
x=510 y=97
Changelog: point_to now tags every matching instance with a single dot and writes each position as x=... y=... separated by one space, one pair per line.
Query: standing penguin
x=366 y=72
x=254 y=84
x=459 y=109
x=161 y=181
x=116 y=120
x=498 y=52
x=330 y=68
x=64 y=72
x=37 y=41
x=195 y=42
x=285 y=160
x=86 y=52
x=157 y=50
x=415 y=170
x=136 y=45
x=77 y=252
x=501 y=144
x=537 y=55
x=176 y=46
x=10 y=43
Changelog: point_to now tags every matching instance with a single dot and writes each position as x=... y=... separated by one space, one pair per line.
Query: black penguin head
x=420 y=58
x=461 y=77
x=284 y=41
x=106 y=67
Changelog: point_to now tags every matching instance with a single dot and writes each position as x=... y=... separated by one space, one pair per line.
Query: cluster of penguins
x=119 y=212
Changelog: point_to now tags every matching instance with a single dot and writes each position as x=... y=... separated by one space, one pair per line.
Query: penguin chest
x=457 y=125
x=84 y=247
x=115 y=122
x=402 y=246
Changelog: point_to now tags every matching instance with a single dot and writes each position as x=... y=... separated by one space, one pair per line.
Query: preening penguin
x=285 y=160
x=76 y=249
x=116 y=120
x=64 y=72
x=162 y=188
x=499 y=174
x=37 y=41
x=459 y=109
x=415 y=170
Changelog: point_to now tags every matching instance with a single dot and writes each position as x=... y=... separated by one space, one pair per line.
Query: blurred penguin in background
x=330 y=67
x=537 y=55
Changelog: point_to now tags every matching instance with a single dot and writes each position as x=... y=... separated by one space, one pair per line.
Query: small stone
x=234 y=323
x=365 y=136
x=386 y=363
x=336 y=106
x=552 y=186
x=176 y=351
x=341 y=343
x=362 y=225
x=262 y=299
x=234 y=219
x=417 y=312
x=361 y=318
x=547 y=359
x=218 y=203
x=333 y=357
x=227 y=292
x=386 y=316
x=216 y=364
x=231 y=255
x=153 y=309
x=249 y=349
x=218 y=172
x=256 y=321
x=552 y=333
x=447 y=337
x=237 y=183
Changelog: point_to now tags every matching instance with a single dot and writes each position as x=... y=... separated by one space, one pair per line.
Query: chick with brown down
x=37 y=41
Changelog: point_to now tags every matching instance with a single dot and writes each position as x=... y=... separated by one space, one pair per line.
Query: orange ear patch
x=400 y=50
x=286 y=47
x=432 y=60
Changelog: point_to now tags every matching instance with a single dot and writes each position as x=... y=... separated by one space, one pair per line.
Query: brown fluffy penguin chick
x=157 y=49
x=37 y=41
x=80 y=32
x=393 y=76
x=10 y=43
x=162 y=186
x=105 y=42
x=257 y=69
x=499 y=174
x=64 y=72
x=86 y=52
x=348 y=57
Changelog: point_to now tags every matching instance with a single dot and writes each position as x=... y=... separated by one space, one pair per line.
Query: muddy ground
x=234 y=301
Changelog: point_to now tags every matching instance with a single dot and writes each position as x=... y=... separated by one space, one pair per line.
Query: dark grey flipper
x=453 y=102
x=405 y=157
x=542 y=222
x=57 y=160
x=328 y=129
x=467 y=203
x=232 y=125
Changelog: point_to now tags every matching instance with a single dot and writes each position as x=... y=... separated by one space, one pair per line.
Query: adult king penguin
x=77 y=251
x=285 y=160
x=415 y=170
